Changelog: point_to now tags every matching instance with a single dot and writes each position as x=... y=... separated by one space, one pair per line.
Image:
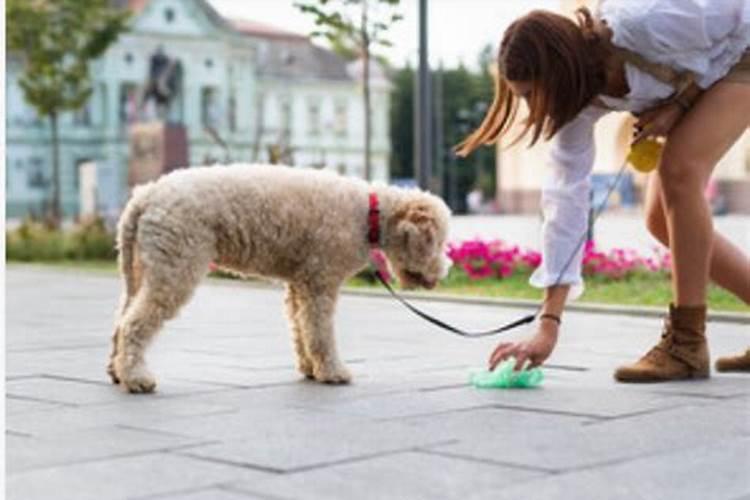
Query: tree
x=402 y=123
x=357 y=23
x=465 y=96
x=57 y=39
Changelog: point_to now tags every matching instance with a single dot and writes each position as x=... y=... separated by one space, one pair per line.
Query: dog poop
x=644 y=156
x=505 y=377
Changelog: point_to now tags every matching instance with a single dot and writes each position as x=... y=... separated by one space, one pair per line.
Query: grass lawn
x=641 y=290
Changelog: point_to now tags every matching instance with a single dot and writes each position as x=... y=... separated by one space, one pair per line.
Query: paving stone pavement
x=233 y=420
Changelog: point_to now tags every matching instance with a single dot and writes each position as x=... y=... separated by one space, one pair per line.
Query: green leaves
x=56 y=41
x=352 y=23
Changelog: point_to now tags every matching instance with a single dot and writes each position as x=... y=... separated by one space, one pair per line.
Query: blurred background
x=218 y=81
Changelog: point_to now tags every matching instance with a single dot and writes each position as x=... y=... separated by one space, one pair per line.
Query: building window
x=35 y=175
x=11 y=181
x=285 y=112
x=232 y=112
x=82 y=116
x=340 y=119
x=209 y=107
x=209 y=63
x=103 y=113
x=128 y=58
x=169 y=15
x=313 y=119
x=128 y=109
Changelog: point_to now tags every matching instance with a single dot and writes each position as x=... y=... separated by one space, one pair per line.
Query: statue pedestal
x=155 y=149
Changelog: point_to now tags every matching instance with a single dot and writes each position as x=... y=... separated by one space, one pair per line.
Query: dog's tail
x=127 y=229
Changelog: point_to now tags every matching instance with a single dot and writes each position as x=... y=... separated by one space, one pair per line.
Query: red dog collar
x=373 y=221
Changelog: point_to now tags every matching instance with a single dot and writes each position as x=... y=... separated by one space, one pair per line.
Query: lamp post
x=423 y=117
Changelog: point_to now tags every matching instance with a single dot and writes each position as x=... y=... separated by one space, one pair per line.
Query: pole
x=424 y=110
x=439 y=133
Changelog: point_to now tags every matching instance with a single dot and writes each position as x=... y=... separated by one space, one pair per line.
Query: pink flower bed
x=492 y=259
x=496 y=259
x=620 y=263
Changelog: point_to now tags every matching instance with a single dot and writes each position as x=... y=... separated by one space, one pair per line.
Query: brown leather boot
x=738 y=363
x=682 y=352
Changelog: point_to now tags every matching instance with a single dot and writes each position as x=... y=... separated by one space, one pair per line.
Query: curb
x=587 y=307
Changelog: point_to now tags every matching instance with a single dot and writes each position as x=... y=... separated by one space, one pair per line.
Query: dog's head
x=416 y=235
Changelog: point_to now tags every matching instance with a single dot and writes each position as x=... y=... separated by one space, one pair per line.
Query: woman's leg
x=729 y=266
x=693 y=149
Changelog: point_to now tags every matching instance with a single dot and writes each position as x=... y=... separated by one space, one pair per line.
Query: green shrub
x=90 y=240
x=34 y=241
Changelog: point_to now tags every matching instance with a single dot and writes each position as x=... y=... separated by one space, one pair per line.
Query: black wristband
x=554 y=318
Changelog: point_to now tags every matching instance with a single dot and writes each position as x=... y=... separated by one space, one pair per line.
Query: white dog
x=311 y=229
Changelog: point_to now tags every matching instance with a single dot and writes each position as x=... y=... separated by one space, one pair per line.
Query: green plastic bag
x=504 y=377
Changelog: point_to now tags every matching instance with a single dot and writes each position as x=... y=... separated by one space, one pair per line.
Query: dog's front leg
x=304 y=363
x=316 y=309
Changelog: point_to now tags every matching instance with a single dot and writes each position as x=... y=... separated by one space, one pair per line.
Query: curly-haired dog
x=308 y=228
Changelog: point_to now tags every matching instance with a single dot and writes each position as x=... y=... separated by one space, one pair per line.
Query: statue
x=158 y=146
x=163 y=84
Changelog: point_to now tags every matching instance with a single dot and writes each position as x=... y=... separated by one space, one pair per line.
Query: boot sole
x=652 y=380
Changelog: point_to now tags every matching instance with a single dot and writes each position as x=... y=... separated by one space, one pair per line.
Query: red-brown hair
x=563 y=60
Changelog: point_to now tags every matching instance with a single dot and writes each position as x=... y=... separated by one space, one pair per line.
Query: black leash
x=526 y=319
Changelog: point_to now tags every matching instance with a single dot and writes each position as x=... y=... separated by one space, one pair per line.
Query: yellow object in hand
x=645 y=155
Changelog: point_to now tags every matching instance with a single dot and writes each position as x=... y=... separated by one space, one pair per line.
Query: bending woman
x=683 y=67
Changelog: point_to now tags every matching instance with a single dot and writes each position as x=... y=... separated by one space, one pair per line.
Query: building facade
x=248 y=92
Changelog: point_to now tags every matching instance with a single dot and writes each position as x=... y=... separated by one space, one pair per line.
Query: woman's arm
x=658 y=122
x=565 y=201
x=538 y=348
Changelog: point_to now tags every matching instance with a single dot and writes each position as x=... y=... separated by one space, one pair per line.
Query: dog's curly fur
x=307 y=228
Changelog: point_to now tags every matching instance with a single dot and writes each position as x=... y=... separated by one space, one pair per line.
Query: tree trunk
x=55 y=212
x=366 y=84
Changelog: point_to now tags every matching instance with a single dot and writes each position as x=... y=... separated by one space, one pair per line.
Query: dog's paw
x=111 y=372
x=336 y=374
x=138 y=381
x=305 y=368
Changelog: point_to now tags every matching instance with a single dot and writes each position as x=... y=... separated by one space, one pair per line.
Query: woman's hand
x=657 y=122
x=535 y=350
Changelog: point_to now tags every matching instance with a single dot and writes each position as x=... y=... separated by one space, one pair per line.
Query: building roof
x=254 y=28
x=300 y=59
x=286 y=54
x=133 y=5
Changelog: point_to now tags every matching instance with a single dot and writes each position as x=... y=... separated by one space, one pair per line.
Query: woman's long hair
x=564 y=62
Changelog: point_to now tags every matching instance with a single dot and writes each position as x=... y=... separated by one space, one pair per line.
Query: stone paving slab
x=232 y=419
x=217 y=493
x=713 y=472
x=125 y=478
x=34 y=452
x=597 y=443
x=409 y=475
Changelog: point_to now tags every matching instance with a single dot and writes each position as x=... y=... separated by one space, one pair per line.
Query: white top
x=706 y=37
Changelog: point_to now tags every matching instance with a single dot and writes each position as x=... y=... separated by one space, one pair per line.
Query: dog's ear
x=417 y=231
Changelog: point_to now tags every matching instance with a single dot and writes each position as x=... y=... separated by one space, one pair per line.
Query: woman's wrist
x=548 y=328
x=554 y=318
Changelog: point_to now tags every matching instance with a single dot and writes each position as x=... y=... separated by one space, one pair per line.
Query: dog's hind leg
x=292 y=299
x=316 y=309
x=131 y=275
x=158 y=299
